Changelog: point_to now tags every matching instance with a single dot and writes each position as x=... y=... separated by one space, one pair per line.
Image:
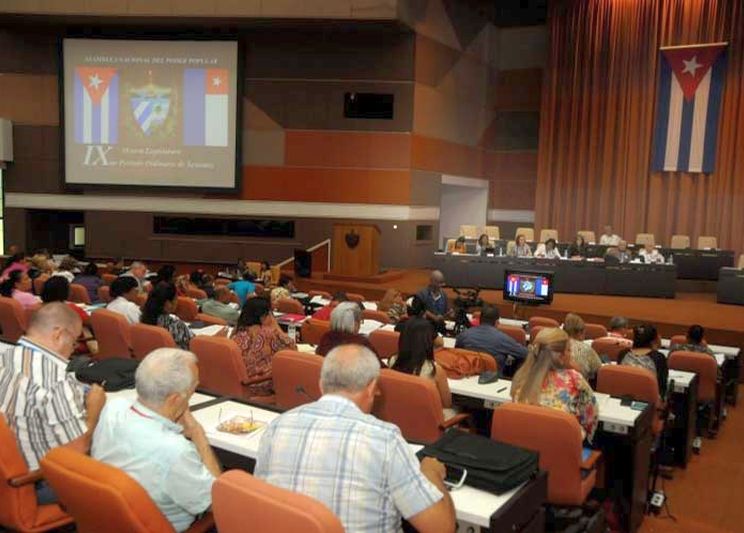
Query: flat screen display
x=150 y=112
x=528 y=287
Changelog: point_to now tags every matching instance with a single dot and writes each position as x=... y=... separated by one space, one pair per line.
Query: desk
x=198 y=398
x=624 y=436
x=582 y=277
x=681 y=427
x=730 y=286
x=473 y=506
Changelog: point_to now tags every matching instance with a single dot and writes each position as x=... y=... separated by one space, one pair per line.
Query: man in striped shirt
x=45 y=405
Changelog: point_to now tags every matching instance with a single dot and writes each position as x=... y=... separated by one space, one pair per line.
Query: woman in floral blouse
x=546 y=378
x=259 y=338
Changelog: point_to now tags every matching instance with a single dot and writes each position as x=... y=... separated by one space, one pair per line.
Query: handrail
x=312 y=249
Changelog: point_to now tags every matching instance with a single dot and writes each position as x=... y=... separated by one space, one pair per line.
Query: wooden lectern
x=356 y=250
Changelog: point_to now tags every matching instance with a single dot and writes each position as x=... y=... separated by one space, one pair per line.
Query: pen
x=502 y=389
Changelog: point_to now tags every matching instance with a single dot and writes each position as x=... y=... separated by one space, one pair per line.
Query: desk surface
x=130 y=394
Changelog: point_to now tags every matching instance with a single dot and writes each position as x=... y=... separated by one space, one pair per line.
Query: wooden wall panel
x=29 y=98
x=348 y=149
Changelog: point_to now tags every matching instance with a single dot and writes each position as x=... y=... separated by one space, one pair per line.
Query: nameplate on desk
x=491 y=404
x=611 y=427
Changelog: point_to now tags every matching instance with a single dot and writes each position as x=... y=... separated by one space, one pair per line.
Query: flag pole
x=692 y=46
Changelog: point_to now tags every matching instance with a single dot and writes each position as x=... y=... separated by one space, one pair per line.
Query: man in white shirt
x=138 y=271
x=124 y=291
x=608 y=238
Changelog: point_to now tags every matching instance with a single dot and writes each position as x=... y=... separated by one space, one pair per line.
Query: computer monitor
x=528 y=287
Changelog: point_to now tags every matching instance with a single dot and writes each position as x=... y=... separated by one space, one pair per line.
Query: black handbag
x=491 y=465
x=114 y=374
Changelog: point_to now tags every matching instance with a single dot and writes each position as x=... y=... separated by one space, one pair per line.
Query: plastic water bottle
x=671 y=259
x=292 y=331
x=501 y=251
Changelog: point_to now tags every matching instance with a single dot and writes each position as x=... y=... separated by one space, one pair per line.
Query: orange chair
x=79 y=294
x=514 y=332
x=678 y=340
x=237 y=494
x=108 y=279
x=290 y=305
x=146 y=338
x=414 y=405
x=187 y=310
x=221 y=368
x=39 y=282
x=706 y=369
x=384 y=342
x=296 y=378
x=556 y=436
x=323 y=294
x=594 y=331
x=355 y=297
x=610 y=346
x=380 y=316
x=112 y=333
x=312 y=330
x=542 y=321
x=13 y=319
x=19 y=510
x=196 y=294
x=637 y=383
x=101 y=497
x=104 y=293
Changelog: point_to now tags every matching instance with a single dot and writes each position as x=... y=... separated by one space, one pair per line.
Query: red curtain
x=597 y=116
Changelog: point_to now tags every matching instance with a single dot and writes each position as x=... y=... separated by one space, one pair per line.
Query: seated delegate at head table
x=360 y=467
x=623 y=254
x=124 y=292
x=487 y=338
x=416 y=357
x=156 y=440
x=546 y=378
x=651 y=254
x=435 y=300
x=45 y=405
x=159 y=311
x=577 y=249
x=548 y=250
x=695 y=342
x=520 y=248
x=609 y=238
x=583 y=357
x=483 y=245
x=645 y=354
x=219 y=306
x=346 y=319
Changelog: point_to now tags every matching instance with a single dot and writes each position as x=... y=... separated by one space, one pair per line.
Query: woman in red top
x=259 y=338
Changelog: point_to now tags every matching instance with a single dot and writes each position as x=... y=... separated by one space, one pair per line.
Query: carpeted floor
x=707 y=497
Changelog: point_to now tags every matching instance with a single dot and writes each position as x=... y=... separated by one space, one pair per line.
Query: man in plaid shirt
x=357 y=465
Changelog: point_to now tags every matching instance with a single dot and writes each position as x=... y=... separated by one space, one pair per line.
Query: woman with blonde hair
x=546 y=378
x=583 y=356
x=394 y=305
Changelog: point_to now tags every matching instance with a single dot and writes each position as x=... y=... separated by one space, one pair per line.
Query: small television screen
x=528 y=287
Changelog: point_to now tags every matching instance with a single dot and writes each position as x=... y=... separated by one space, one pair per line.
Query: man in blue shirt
x=487 y=338
x=435 y=299
x=243 y=288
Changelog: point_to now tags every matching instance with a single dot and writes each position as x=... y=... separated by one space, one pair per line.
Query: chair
x=678 y=339
x=637 y=383
x=39 y=282
x=546 y=234
x=296 y=378
x=384 y=342
x=196 y=294
x=469 y=231
x=518 y=334
x=312 y=330
x=79 y=294
x=450 y=246
x=707 y=241
x=13 y=321
x=113 y=334
x=108 y=279
x=611 y=347
x=146 y=338
x=556 y=436
x=101 y=497
x=594 y=331
x=529 y=234
x=19 y=510
x=290 y=305
x=355 y=297
x=542 y=321
x=104 y=293
x=493 y=232
x=323 y=294
x=589 y=235
x=414 y=405
x=680 y=242
x=237 y=494
x=706 y=369
x=373 y=314
x=645 y=238
x=187 y=310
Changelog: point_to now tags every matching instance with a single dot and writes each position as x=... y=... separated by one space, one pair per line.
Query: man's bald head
x=349 y=369
x=56 y=327
x=436 y=279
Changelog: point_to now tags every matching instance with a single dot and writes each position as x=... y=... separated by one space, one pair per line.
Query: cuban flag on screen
x=688 y=108
x=205 y=107
x=96 y=105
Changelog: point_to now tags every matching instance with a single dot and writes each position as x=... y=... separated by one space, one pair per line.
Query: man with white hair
x=157 y=441
x=138 y=271
x=346 y=318
x=45 y=405
x=333 y=450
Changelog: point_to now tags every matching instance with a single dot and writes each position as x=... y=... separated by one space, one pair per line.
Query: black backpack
x=115 y=374
x=492 y=466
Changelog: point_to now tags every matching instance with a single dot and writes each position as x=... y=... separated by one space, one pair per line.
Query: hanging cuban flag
x=96 y=105
x=688 y=107
x=205 y=121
